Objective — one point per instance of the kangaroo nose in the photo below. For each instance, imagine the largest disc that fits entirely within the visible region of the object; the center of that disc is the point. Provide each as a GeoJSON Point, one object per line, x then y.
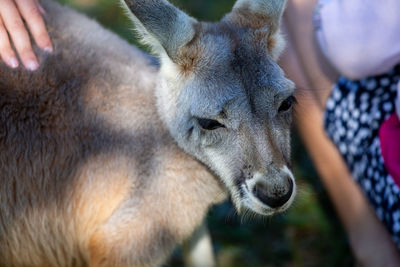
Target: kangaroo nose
{"type": "Point", "coordinates": [274, 196]}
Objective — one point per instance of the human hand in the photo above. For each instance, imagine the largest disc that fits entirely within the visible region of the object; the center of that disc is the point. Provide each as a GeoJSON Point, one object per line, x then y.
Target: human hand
{"type": "Point", "coordinates": [12, 15]}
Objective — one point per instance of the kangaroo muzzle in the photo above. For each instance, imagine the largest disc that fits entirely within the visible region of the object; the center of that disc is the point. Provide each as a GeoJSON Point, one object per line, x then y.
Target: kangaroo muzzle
{"type": "Point", "coordinates": [270, 192]}
{"type": "Point", "coordinates": [273, 195]}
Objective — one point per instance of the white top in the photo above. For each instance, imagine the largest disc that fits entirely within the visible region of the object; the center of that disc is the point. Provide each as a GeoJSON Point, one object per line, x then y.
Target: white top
{"type": "Point", "coordinates": [360, 37]}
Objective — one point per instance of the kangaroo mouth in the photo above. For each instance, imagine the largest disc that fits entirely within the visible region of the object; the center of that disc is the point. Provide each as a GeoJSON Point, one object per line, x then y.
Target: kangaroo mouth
{"type": "Point", "coordinates": [255, 196]}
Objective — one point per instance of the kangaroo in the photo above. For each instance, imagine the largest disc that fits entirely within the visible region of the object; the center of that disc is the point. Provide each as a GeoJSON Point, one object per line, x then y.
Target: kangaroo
{"type": "Point", "coordinates": [108, 158]}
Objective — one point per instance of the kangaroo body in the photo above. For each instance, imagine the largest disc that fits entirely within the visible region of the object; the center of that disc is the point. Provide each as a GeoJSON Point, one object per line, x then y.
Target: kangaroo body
{"type": "Point", "coordinates": [90, 172]}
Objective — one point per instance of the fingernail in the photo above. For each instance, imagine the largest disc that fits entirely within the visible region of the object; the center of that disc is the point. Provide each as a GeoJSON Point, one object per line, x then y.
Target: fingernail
{"type": "Point", "coordinates": [32, 65]}
{"type": "Point", "coordinates": [48, 49]}
{"type": "Point", "coordinates": [41, 9]}
{"type": "Point", "coordinates": [13, 62]}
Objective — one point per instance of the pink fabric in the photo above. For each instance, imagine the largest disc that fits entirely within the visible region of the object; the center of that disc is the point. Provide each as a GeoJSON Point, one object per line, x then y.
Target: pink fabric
{"type": "Point", "coordinates": [389, 137]}
{"type": "Point", "coordinates": [397, 102]}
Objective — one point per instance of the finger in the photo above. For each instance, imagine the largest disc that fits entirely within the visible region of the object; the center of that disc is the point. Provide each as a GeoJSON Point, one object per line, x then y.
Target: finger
{"type": "Point", "coordinates": [6, 52]}
{"type": "Point", "coordinates": [19, 35]}
{"type": "Point", "coordinates": [41, 9]}
{"type": "Point", "coordinates": [31, 14]}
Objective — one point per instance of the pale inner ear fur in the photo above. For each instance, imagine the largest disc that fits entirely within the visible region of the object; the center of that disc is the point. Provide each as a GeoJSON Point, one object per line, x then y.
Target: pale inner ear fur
{"type": "Point", "coordinates": [277, 44]}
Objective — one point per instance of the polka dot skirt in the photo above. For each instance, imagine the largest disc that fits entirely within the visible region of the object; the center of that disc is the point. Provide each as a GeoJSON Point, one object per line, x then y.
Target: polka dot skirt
{"type": "Point", "coordinates": [354, 112]}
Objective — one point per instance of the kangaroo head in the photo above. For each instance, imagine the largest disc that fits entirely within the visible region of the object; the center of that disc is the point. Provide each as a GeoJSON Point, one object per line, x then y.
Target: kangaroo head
{"type": "Point", "coordinates": [224, 98]}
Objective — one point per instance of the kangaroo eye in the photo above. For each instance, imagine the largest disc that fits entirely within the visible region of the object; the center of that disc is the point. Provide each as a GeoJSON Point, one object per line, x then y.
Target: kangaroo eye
{"type": "Point", "coordinates": [209, 124]}
{"type": "Point", "coordinates": [287, 104]}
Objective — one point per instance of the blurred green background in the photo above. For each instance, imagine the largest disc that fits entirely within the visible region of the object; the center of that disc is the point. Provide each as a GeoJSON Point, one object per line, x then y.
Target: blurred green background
{"type": "Point", "coordinates": [309, 234]}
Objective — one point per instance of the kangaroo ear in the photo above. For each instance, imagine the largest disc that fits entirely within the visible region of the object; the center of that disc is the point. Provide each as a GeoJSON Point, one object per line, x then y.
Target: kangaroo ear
{"type": "Point", "coordinates": [161, 25]}
{"type": "Point", "coordinates": [263, 15]}
{"type": "Point", "coordinates": [258, 14]}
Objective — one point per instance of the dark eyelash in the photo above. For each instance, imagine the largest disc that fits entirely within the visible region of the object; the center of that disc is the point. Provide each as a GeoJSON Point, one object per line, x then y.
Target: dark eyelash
{"type": "Point", "coordinates": [209, 124]}
{"type": "Point", "coordinates": [287, 103]}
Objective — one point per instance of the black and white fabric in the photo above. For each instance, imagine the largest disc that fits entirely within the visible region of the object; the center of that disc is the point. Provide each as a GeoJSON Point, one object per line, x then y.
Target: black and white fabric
{"type": "Point", "coordinates": [354, 112]}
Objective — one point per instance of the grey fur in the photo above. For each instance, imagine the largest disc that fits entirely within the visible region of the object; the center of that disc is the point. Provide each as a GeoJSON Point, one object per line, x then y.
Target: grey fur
{"type": "Point", "coordinates": [102, 158]}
